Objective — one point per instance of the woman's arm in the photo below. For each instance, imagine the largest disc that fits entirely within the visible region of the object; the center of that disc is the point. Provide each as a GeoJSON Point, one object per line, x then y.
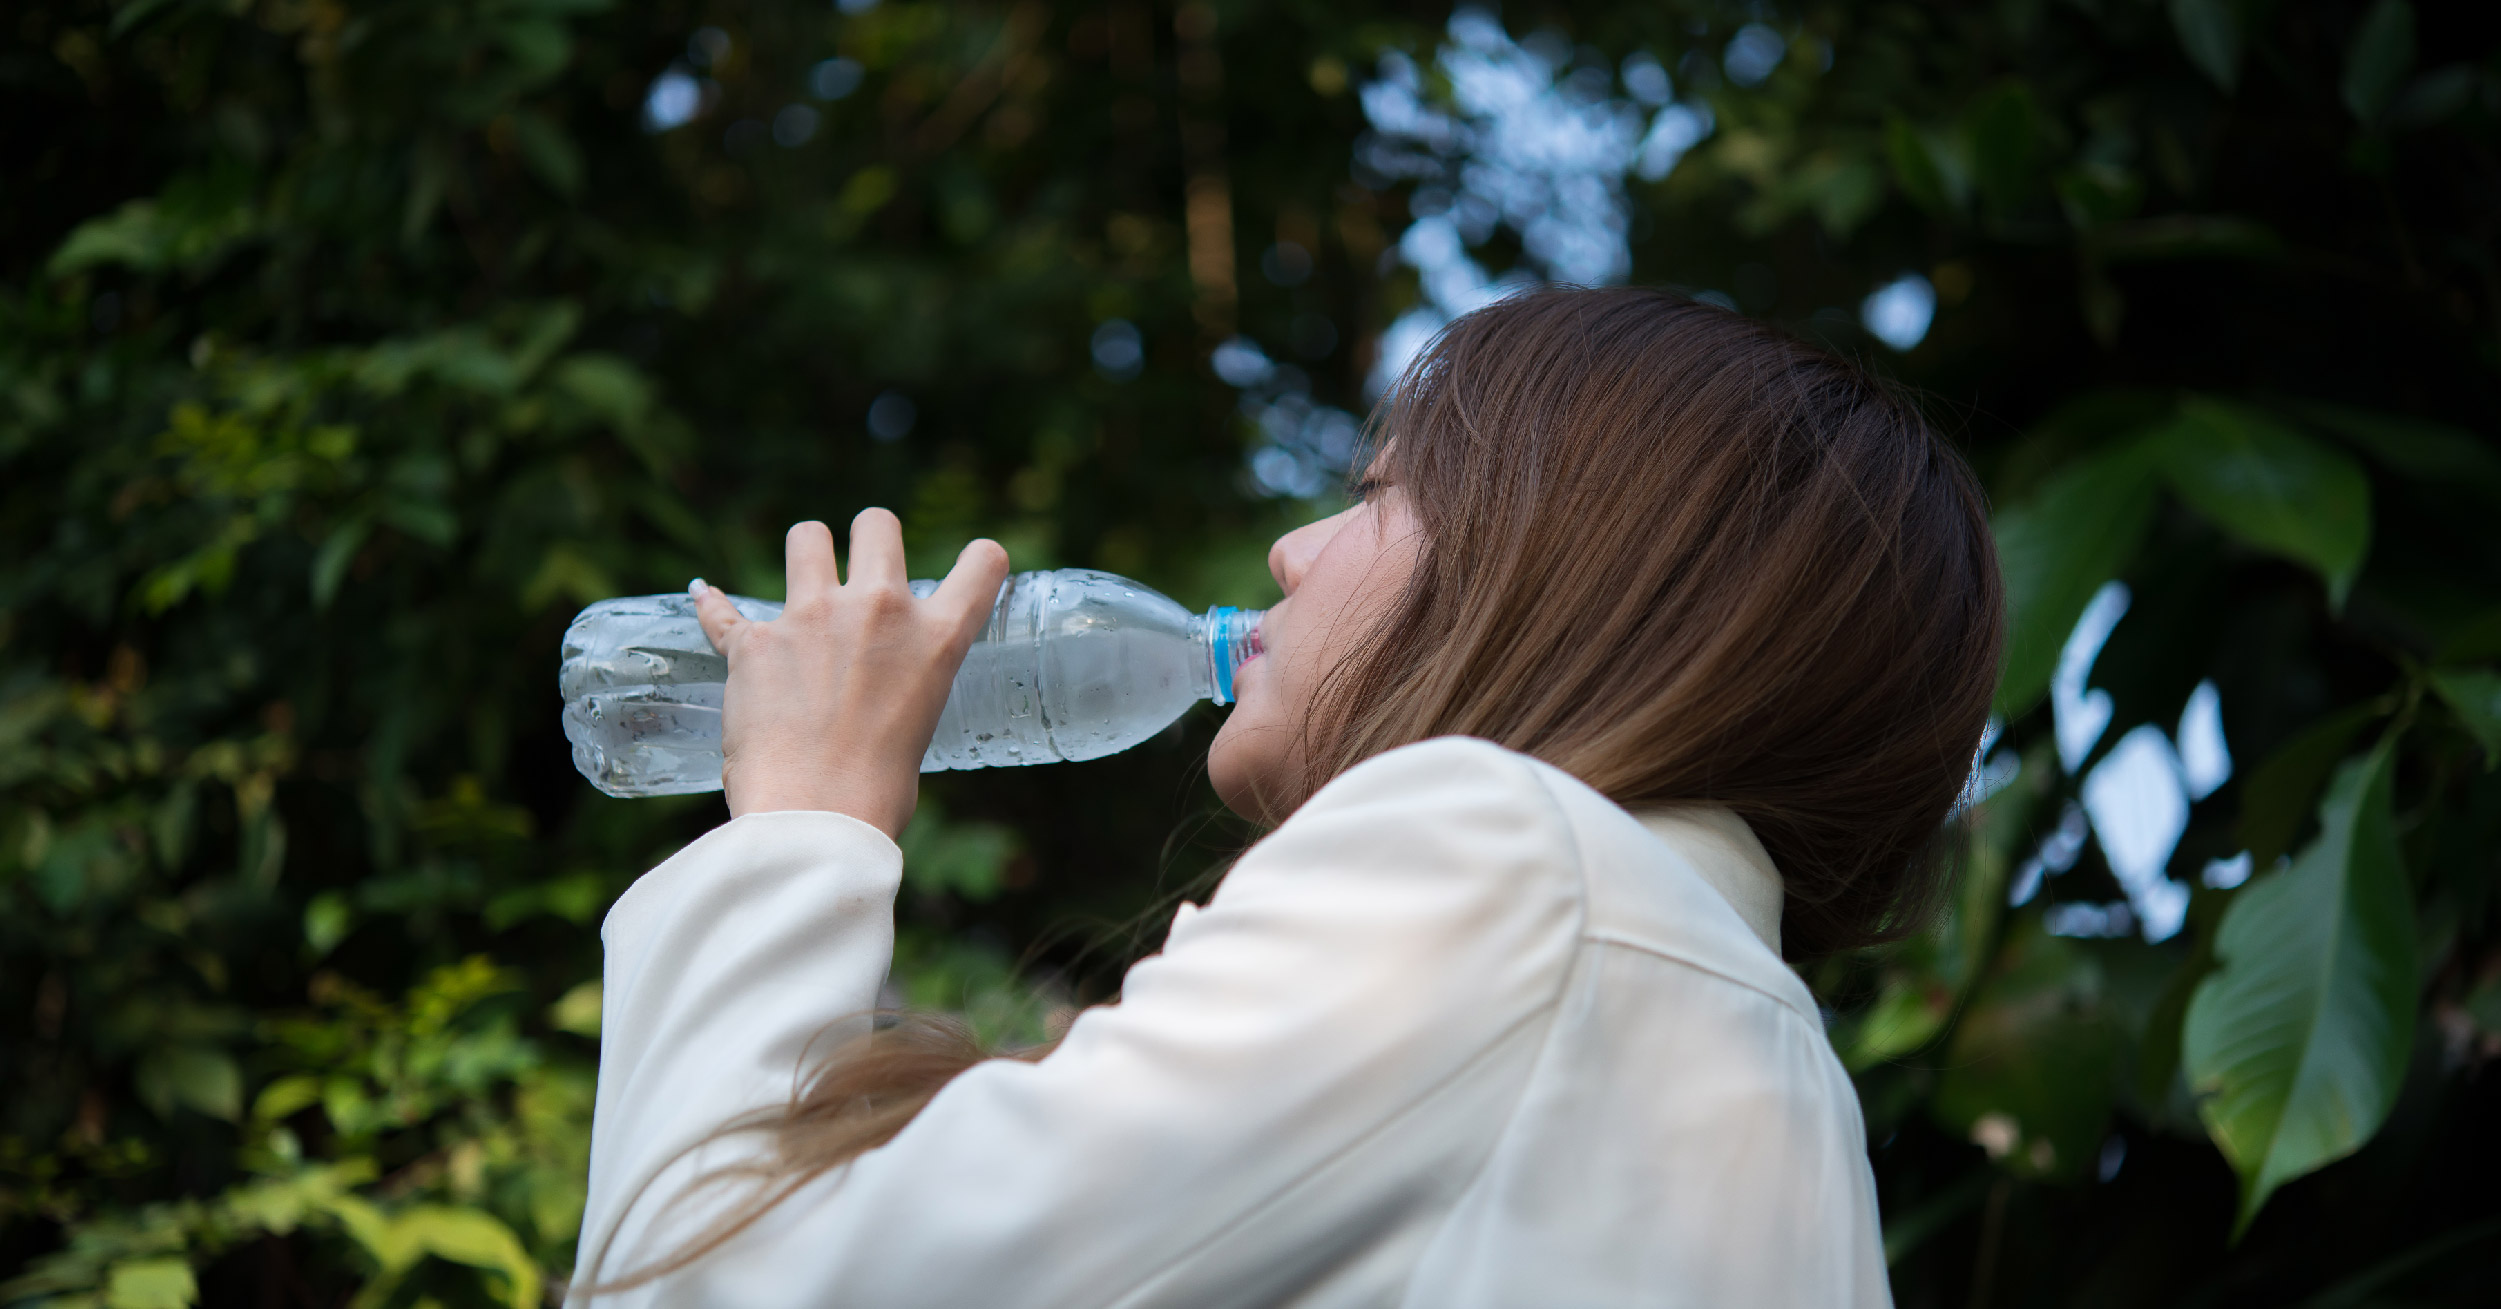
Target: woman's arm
{"type": "Point", "coordinates": [725, 966]}
{"type": "Point", "coordinates": [1293, 1091]}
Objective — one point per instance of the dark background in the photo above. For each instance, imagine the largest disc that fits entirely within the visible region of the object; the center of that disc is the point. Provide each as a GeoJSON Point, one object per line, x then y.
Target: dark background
{"type": "Point", "coordinates": [347, 348]}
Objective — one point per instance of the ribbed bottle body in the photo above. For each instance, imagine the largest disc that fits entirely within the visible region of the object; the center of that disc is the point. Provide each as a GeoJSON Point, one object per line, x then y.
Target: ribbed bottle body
{"type": "Point", "coordinates": [1073, 664]}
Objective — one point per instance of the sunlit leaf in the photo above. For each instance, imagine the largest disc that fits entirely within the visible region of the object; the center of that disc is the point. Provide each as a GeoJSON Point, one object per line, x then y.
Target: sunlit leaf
{"type": "Point", "coordinates": [476, 1238]}
{"type": "Point", "coordinates": [285, 1097]}
{"type": "Point", "coordinates": [2296, 1044]}
{"type": "Point", "coordinates": [1909, 1011]}
{"type": "Point", "coordinates": [2379, 56]}
{"type": "Point", "coordinates": [2056, 548]}
{"type": "Point", "coordinates": [327, 920]}
{"type": "Point", "coordinates": [2474, 695]}
{"type": "Point", "coordinates": [162, 1283]}
{"type": "Point", "coordinates": [577, 1011]}
{"type": "Point", "coordinates": [192, 1077]}
{"type": "Point", "coordinates": [2270, 486]}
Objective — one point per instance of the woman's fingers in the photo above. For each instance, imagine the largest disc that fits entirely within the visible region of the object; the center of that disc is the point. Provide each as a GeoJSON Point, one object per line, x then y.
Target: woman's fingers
{"type": "Point", "coordinates": [877, 549]}
{"type": "Point", "coordinates": [721, 619]}
{"type": "Point", "coordinates": [971, 590]}
{"type": "Point", "coordinates": [808, 562]}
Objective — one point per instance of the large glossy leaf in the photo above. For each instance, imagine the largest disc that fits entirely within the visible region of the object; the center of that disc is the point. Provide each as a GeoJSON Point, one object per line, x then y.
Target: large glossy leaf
{"type": "Point", "coordinates": [2426, 452]}
{"type": "Point", "coordinates": [2296, 1045]}
{"type": "Point", "coordinates": [2276, 797]}
{"type": "Point", "coordinates": [2270, 486]}
{"type": "Point", "coordinates": [2056, 549]}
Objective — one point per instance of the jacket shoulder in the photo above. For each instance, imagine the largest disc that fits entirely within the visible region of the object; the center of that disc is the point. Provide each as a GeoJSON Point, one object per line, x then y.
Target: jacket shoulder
{"type": "Point", "coordinates": [1644, 889]}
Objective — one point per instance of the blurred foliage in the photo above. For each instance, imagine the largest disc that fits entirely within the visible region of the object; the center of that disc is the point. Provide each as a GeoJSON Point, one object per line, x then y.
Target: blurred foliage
{"type": "Point", "coordinates": [346, 346]}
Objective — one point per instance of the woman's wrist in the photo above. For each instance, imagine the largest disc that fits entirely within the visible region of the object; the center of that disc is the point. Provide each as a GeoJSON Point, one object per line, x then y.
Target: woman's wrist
{"type": "Point", "coordinates": [876, 802]}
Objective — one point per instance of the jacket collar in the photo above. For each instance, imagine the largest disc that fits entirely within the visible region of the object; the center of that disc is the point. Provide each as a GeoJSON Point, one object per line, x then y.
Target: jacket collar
{"type": "Point", "coordinates": [1727, 855]}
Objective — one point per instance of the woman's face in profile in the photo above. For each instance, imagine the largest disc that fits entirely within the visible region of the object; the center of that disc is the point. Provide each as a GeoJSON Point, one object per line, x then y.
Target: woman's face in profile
{"type": "Point", "coordinates": [1341, 575]}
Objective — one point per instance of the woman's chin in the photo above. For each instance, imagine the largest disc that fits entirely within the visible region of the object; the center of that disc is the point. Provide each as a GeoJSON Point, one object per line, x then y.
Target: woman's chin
{"type": "Point", "coordinates": [1246, 766]}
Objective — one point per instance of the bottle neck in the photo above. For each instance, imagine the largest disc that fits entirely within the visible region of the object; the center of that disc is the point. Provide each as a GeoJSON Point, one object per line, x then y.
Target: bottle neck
{"type": "Point", "coordinates": [1230, 638]}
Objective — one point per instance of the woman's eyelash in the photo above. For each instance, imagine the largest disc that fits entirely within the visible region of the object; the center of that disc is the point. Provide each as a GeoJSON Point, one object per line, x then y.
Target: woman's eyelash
{"type": "Point", "coordinates": [1366, 487]}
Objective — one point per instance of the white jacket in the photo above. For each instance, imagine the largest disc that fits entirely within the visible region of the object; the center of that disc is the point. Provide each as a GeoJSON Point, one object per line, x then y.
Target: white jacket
{"type": "Point", "coordinates": [1461, 1032]}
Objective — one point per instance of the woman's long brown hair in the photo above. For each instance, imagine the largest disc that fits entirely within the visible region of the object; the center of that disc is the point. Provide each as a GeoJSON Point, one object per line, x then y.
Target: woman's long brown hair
{"type": "Point", "coordinates": [1674, 552]}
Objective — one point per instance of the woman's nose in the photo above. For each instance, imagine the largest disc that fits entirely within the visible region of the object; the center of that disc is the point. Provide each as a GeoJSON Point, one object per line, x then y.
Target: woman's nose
{"type": "Point", "coordinates": [1293, 552]}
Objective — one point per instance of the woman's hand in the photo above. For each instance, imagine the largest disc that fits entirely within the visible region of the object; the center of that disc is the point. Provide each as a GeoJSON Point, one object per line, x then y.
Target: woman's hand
{"type": "Point", "coordinates": [832, 705]}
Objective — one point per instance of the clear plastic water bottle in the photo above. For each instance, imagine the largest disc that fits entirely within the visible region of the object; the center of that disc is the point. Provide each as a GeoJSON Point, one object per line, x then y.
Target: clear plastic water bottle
{"type": "Point", "coordinates": [1074, 664]}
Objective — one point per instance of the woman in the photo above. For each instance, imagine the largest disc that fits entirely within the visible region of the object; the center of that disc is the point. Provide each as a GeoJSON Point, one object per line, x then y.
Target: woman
{"type": "Point", "coordinates": [1655, 646]}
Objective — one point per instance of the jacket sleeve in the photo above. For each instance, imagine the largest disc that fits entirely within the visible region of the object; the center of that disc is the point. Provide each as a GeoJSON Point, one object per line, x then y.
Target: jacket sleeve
{"type": "Point", "coordinates": [1322, 1054]}
{"type": "Point", "coordinates": [724, 966]}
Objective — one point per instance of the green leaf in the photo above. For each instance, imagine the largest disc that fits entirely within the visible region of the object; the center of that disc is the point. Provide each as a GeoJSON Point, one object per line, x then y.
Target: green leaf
{"type": "Point", "coordinates": [1908, 1013]}
{"type": "Point", "coordinates": [2004, 129]}
{"type": "Point", "coordinates": [337, 551]}
{"type": "Point", "coordinates": [2434, 96]}
{"type": "Point", "coordinates": [478, 1239]}
{"type": "Point", "coordinates": [551, 155]}
{"type": "Point", "coordinates": [2095, 195]}
{"type": "Point", "coordinates": [193, 1077]}
{"type": "Point", "coordinates": [2270, 486]}
{"type": "Point", "coordinates": [1906, 1233]}
{"type": "Point", "coordinates": [2184, 236]}
{"type": "Point", "coordinates": [2210, 36]}
{"type": "Point", "coordinates": [2433, 453]}
{"type": "Point", "coordinates": [577, 1011]}
{"type": "Point", "coordinates": [285, 1097]}
{"type": "Point", "coordinates": [607, 386]}
{"type": "Point", "coordinates": [430, 521]}
{"type": "Point", "coordinates": [130, 13]}
{"type": "Point", "coordinates": [2056, 549]}
{"type": "Point", "coordinates": [566, 572]}
{"type": "Point", "coordinates": [2474, 695]}
{"type": "Point", "coordinates": [2158, 1045]}
{"type": "Point", "coordinates": [2029, 1072]}
{"type": "Point", "coordinates": [2276, 796]}
{"type": "Point", "coordinates": [159, 1283]}
{"type": "Point", "coordinates": [540, 48]}
{"type": "Point", "coordinates": [327, 921]}
{"type": "Point", "coordinates": [968, 859]}
{"type": "Point", "coordinates": [195, 222]}
{"type": "Point", "coordinates": [1914, 166]}
{"type": "Point", "coordinates": [2296, 1045]}
{"type": "Point", "coordinates": [2377, 62]}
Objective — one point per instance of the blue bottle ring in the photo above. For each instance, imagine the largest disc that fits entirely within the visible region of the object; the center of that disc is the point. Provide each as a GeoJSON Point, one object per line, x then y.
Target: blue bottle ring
{"type": "Point", "coordinates": [1220, 649]}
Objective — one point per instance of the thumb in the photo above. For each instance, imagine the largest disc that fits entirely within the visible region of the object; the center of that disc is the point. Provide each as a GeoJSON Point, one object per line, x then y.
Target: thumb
{"type": "Point", "coordinates": [721, 620]}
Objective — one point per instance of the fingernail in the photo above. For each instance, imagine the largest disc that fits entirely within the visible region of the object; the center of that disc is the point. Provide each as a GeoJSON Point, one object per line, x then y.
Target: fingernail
{"type": "Point", "coordinates": [695, 587]}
